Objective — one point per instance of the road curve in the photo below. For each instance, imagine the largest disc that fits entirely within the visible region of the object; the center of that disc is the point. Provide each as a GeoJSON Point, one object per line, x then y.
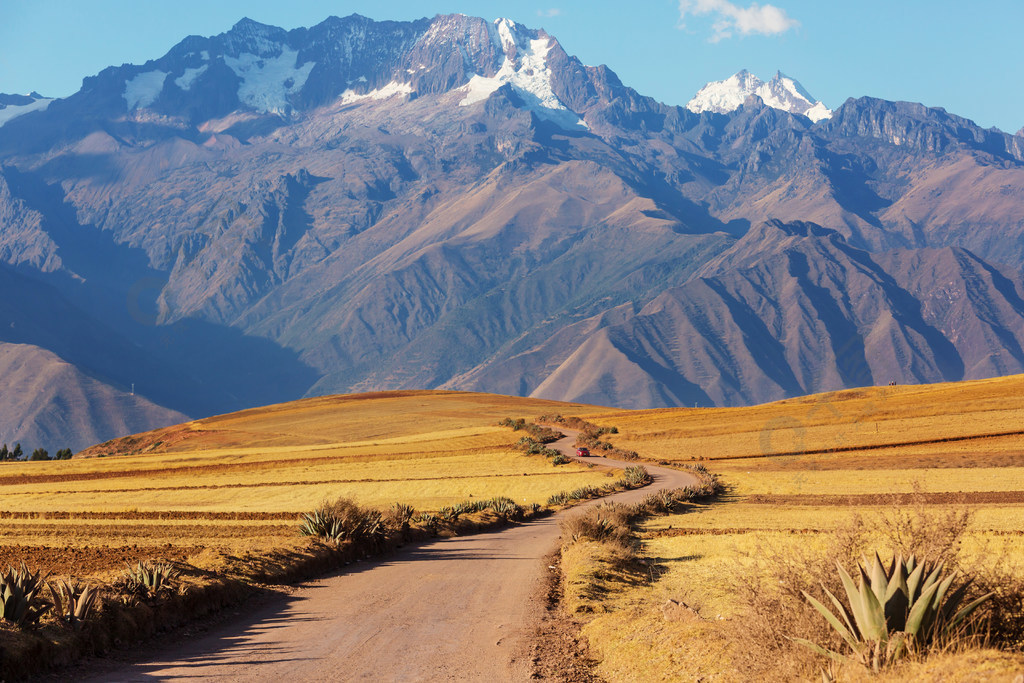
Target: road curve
{"type": "Point", "coordinates": [451, 609]}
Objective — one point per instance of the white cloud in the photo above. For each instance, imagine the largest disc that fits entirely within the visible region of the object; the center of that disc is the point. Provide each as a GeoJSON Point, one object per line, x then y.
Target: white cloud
{"type": "Point", "coordinates": [553, 12]}
{"type": "Point", "coordinates": [730, 18]}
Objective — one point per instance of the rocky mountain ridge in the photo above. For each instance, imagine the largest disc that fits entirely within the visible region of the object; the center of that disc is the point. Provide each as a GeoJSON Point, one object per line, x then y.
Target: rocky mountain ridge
{"type": "Point", "coordinates": [452, 202]}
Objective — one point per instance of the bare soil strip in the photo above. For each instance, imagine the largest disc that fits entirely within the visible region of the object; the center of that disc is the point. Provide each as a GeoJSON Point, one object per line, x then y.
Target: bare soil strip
{"type": "Point", "coordinates": [460, 609]}
{"type": "Point", "coordinates": [303, 482]}
{"type": "Point", "coordinates": [873, 447]}
{"type": "Point", "coordinates": [156, 515]}
{"type": "Point", "coordinates": [875, 499]}
{"type": "Point", "coordinates": [197, 470]}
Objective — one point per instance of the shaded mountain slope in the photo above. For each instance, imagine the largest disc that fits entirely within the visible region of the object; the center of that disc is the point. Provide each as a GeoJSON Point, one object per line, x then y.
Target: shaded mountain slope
{"type": "Point", "coordinates": [451, 202]}
{"type": "Point", "coordinates": [811, 314]}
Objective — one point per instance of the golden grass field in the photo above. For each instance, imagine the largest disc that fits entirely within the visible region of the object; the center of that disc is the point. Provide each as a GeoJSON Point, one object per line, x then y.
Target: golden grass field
{"type": "Point", "coordinates": [798, 470]}
{"type": "Point", "coordinates": [238, 482]}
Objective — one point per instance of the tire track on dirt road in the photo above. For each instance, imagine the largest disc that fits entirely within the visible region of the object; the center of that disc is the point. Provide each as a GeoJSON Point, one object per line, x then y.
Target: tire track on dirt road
{"type": "Point", "coordinates": [460, 609]}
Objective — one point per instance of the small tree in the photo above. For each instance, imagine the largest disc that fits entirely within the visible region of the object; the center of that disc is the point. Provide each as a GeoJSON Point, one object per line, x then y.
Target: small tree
{"type": "Point", "coordinates": [4, 453]}
{"type": "Point", "coordinates": [16, 453]}
{"type": "Point", "coordinates": [40, 454]}
{"type": "Point", "coordinates": [63, 454]}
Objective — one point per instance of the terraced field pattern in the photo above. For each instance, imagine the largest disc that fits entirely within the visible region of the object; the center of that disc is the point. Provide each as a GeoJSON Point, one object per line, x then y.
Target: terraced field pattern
{"type": "Point", "coordinates": [239, 482]}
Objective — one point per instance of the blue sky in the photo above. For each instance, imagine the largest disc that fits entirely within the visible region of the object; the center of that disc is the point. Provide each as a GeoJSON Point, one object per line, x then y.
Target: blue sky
{"type": "Point", "coordinates": [964, 57]}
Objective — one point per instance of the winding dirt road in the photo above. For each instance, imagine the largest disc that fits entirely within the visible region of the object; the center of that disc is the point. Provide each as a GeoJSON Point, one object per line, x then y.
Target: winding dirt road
{"type": "Point", "coordinates": [452, 609]}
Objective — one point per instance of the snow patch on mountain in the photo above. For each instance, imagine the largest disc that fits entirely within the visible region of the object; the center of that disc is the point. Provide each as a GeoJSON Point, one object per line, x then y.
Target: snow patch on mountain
{"type": "Point", "coordinates": [143, 90]}
{"type": "Point", "coordinates": [525, 68]}
{"type": "Point", "coordinates": [781, 92]}
{"type": "Point", "coordinates": [390, 90]}
{"type": "Point", "coordinates": [12, 111]}
{"type": "Point", "coordinates": [186, 80]}
{"type": "Point", "coordinates": [267, 81]}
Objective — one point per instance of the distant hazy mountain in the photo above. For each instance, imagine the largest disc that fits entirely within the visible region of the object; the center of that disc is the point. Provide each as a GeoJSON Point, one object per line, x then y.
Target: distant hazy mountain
{"type": "Point", "coordinates": [13, 106]}
{"type": "Point", "coordinates": [452, 202]}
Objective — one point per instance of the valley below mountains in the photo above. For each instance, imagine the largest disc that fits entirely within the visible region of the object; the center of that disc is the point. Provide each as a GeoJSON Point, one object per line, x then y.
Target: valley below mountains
{"type": "Point", "coordinates": [456, 203]}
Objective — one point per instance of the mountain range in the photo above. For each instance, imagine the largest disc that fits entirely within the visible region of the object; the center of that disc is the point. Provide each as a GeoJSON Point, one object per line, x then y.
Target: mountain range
{"type": "Point", "coordinates": [456, 203]}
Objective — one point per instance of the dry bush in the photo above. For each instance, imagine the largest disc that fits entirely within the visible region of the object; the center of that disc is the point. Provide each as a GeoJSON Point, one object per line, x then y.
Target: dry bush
{"type": "Point", "coordinates": [916, 528]}
{"type": "Point", "coordinates": [1003, 576]}
{"type": "Point", "coordinates": [598, 556]}
{"type": "Point", "coordinates": [608, 523]}
{"type": "Point", "coordinates": [774, 610]}
{"type": "Point", "coordinates": [344, 520]}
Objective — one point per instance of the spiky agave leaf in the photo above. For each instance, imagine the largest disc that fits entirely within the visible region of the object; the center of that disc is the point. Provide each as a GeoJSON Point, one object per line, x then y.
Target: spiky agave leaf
{"type": "Point", "coordinates": [20, 599]}
{"type": "Point", "coordinates": [916, 598]}
{"type": "Point", "coordinates": [846, 632]}
{"type": "Point", "coordinates": [73, 601]}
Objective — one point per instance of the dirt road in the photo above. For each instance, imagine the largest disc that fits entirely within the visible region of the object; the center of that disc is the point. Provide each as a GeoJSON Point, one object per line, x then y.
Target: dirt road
{"type": "Point", "coordinates": [453, 609]}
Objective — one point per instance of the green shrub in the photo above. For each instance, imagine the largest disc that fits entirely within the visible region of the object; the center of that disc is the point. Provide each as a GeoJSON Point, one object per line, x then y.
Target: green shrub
{"type": "Point", "coordinates": [584, 493]}
{"type": "Point", "coordinates": [516, 424]}
{"type": "Point", "coordinates": [662, 502]}
{"type": "Point", "coordinates": [608, 523]}
{"type": "Point", "coordinates": [559, 459]}
{"type": "Point", "coordinates": [21, 601]}
{"type": "Point", "coordinates": [400, 515]}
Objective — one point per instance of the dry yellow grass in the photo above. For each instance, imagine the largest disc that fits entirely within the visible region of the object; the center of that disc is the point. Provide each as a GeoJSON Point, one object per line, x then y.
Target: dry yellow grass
{"type": "Point", "coordinates": [857, 418]}
{"type": "Point", "coordinates": [797, 470]}
{"type": "Point", "coordinates": [425, 449]}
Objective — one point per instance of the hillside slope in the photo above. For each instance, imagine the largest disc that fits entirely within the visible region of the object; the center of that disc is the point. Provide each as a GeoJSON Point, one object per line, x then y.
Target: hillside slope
{"type": "Point", "coordinates": [267, 214]}
{"type": "Point", "coordinates": [49, 403]}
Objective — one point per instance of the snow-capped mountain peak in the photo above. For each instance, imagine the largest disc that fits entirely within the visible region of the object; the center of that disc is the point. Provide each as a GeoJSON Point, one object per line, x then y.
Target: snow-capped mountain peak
{"type": "Point", "coordinates": [13, 106]}
{"type": "Point", "coordinates": [525, 68]}
{"type": "Point", "coordinates": [781, 92]}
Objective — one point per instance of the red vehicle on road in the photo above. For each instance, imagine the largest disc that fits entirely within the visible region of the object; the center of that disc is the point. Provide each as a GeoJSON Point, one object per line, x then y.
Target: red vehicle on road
{"type": "Point", "coordinates": [582, 452]}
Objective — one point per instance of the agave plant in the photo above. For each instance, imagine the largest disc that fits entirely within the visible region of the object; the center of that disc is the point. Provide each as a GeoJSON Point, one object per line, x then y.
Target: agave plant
{"type": "Point", "coordinates": [151, 577]}
{"type": "Point", "coordinates": [401, 514]}
{"type": "Point", "coordinates": [429, 522]}
{"type": "Point", "coordinates": [894, 611]}
{"type": "Point", "coordinates": [344, 520]}
{"type": "Point", "coordinates": [560, 498]}
{"type": "Point", "coordinates": [73, 601]}
{"type": "Point", "coordinates": [636, 476]}
{"type": "Point", "coordinates": [449, 513]}
{"type": "Point", "coordinates": [321, 523]}
{"type": "Point", "coordinates": [506, 508]}
{"type": "Point", "coordinates": [21, 601]}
